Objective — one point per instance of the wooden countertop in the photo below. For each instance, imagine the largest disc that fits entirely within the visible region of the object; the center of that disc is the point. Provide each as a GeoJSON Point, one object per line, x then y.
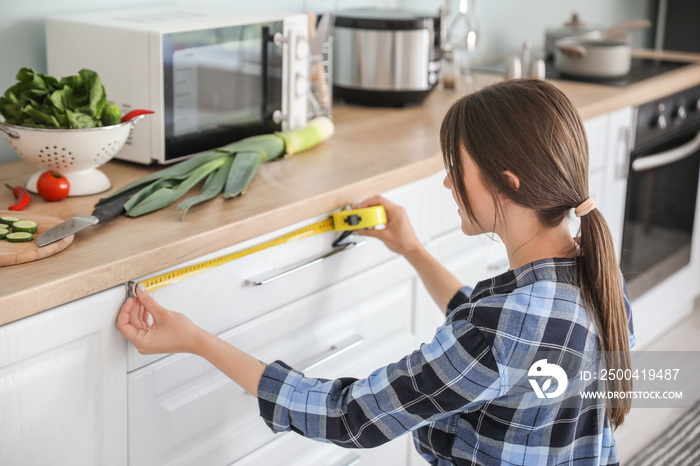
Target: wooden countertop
{"type": "Point", "coordinates": [373, 150]}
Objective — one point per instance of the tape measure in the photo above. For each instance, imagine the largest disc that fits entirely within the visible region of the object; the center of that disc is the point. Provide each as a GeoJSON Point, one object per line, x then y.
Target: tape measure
{"type": "Point", "coordinates": [345, 220]}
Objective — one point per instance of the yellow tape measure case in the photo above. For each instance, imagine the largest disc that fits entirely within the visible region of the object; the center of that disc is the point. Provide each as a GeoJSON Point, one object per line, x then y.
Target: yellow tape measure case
{"type": "Point", "coordinates": [358, 218]}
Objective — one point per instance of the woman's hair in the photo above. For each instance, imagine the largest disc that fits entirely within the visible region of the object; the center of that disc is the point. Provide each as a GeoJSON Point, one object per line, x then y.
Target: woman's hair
{"type": "Point", "coordinates": [529, 127]}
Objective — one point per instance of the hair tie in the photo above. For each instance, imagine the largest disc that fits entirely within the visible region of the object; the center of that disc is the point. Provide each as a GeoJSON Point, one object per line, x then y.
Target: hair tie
{"type": "Point", "coordinates": [585, 207]}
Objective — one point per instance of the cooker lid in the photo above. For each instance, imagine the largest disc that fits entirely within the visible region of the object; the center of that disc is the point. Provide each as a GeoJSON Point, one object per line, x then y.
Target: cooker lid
{"type": "Point", "coordinates": [395, 19]}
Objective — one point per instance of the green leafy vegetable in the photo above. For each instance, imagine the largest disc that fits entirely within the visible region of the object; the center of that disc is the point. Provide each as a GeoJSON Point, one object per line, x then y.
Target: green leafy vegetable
{"type": "Point", "coordinates": [42, 101]}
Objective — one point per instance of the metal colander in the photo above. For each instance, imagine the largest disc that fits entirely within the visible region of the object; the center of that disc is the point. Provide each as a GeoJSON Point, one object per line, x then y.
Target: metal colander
{"type": "Point", "coordinates": [75, 153]}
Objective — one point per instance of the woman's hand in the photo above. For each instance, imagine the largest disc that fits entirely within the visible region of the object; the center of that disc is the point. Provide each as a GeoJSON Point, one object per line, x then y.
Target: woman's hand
{"type": "Point", "coordinates": [398, 234]}
{"type": "Point", "coordinates": [153, 329]}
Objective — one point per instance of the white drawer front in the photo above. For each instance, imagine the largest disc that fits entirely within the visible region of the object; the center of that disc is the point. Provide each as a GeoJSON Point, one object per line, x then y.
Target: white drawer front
{"type": "Point", "coordinates": [183, 411]}
{"type": "Point", "coordinates": [291, 449]}
{"type": "Point", "coordinates": [222, 297]}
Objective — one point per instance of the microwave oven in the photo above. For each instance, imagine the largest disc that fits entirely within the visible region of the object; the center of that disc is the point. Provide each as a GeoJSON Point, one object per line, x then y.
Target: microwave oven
{"type": "Point", "coordinates": [212, 74]}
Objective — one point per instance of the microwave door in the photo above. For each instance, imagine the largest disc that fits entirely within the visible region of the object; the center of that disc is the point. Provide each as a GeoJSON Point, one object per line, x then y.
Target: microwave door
{"type": "Point", "coordinates": [224, 86]}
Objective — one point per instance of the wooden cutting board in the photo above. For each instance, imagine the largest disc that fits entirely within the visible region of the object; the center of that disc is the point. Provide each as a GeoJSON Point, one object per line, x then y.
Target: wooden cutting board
{"type": "Point", "coordinates": [18, 253]}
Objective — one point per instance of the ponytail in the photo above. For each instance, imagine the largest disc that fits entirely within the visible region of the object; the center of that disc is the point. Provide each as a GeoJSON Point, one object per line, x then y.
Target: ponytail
{"type": "Point", "coordinates": [601, 287]}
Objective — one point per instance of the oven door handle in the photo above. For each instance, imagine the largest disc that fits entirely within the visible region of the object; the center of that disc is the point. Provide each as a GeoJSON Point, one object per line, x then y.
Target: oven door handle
{"type": "Point", "coordinates": [667, 157]}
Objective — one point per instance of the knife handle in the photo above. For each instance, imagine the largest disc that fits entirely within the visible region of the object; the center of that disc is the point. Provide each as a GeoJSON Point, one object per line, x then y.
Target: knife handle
{"type": "Point", "coordinates": [114, 207]}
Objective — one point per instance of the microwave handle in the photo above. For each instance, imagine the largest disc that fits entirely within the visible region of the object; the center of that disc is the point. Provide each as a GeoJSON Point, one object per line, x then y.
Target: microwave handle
{"type": "Point", "coordinates": [667, 157]}
{"type": "Point", "coordinates": [278, 39]}
{"type": "Point", "coordinates": [266, 40]}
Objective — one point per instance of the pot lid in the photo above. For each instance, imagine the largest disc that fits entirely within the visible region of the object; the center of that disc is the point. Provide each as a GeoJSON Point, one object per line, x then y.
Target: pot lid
{"type": "Point", "coordinates": [394, 19]}
{"type": "Point", "coordinates": [573, 26]}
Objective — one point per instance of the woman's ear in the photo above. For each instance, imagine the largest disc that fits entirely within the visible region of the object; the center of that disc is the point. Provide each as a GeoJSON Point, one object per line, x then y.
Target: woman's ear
{"type": "Point", "coordinates": [512, 179]}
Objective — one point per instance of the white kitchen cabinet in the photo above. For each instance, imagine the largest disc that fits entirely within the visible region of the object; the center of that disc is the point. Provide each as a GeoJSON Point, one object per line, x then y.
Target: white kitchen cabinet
{"type": "Point", "coordinates": [63, 385]}
{"type": "Point", "coordinates": [597, 134]}
{"type": "Point", "coordinates": [183, 411]}
{"type": "Point", "coordinates": [223, 297]}
{"type": "Point", "coordinates": [617, 161]}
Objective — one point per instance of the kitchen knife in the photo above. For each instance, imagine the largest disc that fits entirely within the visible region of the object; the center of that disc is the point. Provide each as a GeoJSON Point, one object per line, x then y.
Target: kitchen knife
{"type": "Point", "coordinates": [321, 99]}
{"type": "Point", "coordinates": [102, 213]}
{"type": "Point", "coordinates": [321, 35]}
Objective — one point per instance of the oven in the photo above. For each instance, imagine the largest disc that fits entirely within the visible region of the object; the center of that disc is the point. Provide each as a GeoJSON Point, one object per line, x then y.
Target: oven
{"type": "Point", "coordinates": [662, 191]}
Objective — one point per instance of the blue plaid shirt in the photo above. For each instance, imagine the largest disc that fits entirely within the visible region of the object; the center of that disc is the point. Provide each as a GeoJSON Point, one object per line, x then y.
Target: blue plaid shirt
{"type": "Point", "coordinates": [462, 395]}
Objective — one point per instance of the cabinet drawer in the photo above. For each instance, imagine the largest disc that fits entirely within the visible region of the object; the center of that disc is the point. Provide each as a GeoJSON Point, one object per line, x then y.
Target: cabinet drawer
{"type": "Point", "coordinates": [291, 449]}
{"type": "Point", "coordinates": [182, 410]}
{"type": "Point", "coordinates": [222, 297]}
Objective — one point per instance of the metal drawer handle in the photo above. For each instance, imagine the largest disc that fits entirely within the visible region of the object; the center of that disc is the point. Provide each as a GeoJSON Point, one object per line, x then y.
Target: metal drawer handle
{"type": "Point", "coordinates": [336, 350]}
{"type": "Point", "coordinates": [667, 157]}
{"type": "Point", "coordinates": [343, 346]}
{"type": "Point", "coordinates": [267, 277]}
{"type": "Point", "coordinates": [350, 460]}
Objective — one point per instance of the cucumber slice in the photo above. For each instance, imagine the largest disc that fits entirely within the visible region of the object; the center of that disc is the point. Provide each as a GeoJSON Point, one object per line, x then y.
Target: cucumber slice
{"type": "Point", "coordinates": [4, 233]}
{"type": "Point", "coordinates": [19, 237]}
{"type": "Point", "coordinates": [27, 226]}
{"type": "Point", "coordinates": [9, 220]}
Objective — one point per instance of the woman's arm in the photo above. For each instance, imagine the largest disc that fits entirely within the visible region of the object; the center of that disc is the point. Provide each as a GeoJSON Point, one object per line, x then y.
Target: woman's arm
{"type": "Point", "coordinates": [153, 329]}
{"type": "Point", "coordinates": [398, 235]}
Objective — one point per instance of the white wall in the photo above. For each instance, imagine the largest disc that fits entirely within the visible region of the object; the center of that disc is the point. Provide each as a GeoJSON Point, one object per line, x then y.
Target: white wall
{"type": "Point", "coordinates": [506, 24]}
{"type": "Point", "coordinates": [22, 29]}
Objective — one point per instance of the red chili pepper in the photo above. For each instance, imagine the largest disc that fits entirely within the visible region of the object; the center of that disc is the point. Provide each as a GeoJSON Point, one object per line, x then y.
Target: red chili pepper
{"type": "Point", "coordinates": [135, 113]}
{"type": "Point", "coordinates": [21, 195]}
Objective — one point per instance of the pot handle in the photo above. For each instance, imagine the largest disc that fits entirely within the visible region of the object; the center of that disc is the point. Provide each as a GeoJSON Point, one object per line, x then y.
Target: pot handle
{"type": "Point", "coordinates": [573, 51]}
{"type": "Point", "coordinates": [627, 26]}
{"type": "Point", "coordinates": [11, 133]}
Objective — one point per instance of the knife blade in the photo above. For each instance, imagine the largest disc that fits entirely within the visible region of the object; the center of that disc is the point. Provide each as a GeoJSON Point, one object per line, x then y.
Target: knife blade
{"type": "Point", "coordinates": [103, 212]}
{"type": "Point", "coordinates": [321, 36]}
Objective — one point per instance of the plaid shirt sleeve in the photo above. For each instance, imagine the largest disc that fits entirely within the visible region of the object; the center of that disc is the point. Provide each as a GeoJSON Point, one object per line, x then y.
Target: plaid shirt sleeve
{"type": "Point", "coordinates": [462, 296]}
{"type": "Point", "coordinates": [456, 371]}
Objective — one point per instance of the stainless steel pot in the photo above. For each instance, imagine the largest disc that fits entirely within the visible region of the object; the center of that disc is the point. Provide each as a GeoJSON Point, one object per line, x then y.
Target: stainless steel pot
{"type": "Point", "coordinates": [385, 57]}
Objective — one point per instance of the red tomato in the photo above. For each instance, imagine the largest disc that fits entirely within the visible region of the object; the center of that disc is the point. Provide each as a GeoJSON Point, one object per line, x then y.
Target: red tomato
{"type": "Point", "coordinates": [52, 186]}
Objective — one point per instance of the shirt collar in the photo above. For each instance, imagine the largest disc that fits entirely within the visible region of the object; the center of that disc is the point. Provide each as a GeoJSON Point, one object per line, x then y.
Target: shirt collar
{"type": "Point", "coordinates": [555, 269]}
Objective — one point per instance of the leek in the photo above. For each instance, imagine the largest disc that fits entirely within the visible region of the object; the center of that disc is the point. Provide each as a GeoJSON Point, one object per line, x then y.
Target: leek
{"type": "Point", "coordinates": [212, 187]}
{"type": "Point", "coordinates": [228, 169]}
{"type": "Point", "coordinates": [166, 195]}
{"type": "Point", "coordinates": [245, 166]}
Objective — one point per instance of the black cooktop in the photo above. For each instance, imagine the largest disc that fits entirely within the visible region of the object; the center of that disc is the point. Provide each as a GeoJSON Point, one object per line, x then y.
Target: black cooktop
{"type": "Point", "coordinates": [641, 69]}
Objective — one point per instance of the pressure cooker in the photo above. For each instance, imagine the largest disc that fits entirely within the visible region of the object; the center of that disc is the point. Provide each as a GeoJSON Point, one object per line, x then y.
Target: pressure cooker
{"type": "Point", "coordinates": [385, 57]}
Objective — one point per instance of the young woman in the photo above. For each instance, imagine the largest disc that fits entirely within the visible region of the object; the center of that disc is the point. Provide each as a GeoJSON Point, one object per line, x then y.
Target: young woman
{"type": "Point", "coordinates": [517, 161]}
